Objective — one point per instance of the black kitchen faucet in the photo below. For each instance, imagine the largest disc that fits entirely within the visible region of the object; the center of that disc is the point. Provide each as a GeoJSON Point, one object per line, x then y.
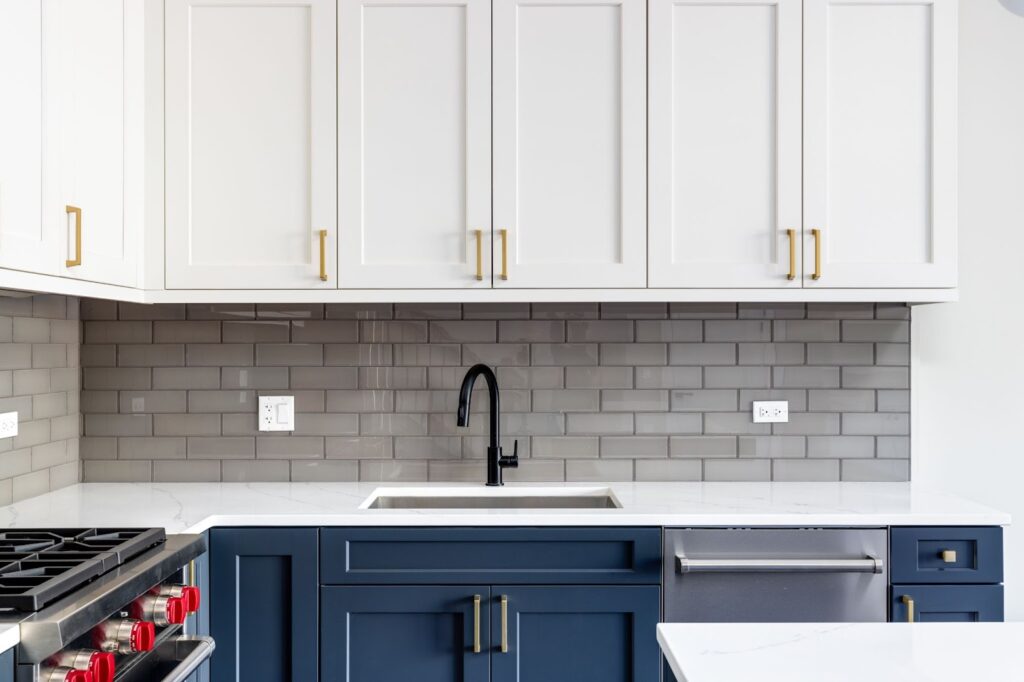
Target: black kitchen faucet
{"type": "Point", "coordinates": [495, 460]}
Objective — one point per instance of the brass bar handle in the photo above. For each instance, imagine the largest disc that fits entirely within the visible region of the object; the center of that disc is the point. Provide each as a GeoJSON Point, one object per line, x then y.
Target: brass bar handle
{"type": "Point", "coordinates": [817, 253]}
{"type": "Point", "coordinates": [323, 255]}
{"type": "Point", "coordinates": [909, 602]}
{"type": "Point", "coordinates": [78, 236]}
{"type": "Point", "coordinates": [479, 255]}
{"type": "Point", "coordinates": [504, 254]}
{"type": "Point", "coordinates": [476, 623]}
{"type": "Point", "coordinates": [504, 624]}
{"type": "Point", "coordinates": [792, 255]}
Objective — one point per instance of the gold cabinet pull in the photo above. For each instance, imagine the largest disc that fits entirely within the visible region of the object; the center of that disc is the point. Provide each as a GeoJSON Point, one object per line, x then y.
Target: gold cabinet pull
{"type": "Point", "coordinates": [949, 556]}
{"type": "Point", "coordinates": [78, 236]}
{"type": "Point", "coordinates": [504, 254]}
{"type": "Point", "coordinates": [909, 602]}
{"type": "Point", "coordinates": [323, 255]}
{"type": "Point", "coordinates": [504, 624]}
{"type": "Point", "coordinates": [817, 253]}
{"type": "Point", "coordinates": [479, 255]}
{"type": "Point", "coordinates": [792, 255]}
{"type": "Point", "coordinates": [476, 623]}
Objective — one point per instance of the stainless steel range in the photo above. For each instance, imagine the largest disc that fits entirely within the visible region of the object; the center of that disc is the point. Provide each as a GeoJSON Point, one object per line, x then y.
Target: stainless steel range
{"type": "Point", "coordinates": [98, 605]}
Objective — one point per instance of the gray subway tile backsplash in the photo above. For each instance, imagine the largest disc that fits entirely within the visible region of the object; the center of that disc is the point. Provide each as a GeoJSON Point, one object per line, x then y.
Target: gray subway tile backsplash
{"type": "Point", "coordinates": [593, 392]}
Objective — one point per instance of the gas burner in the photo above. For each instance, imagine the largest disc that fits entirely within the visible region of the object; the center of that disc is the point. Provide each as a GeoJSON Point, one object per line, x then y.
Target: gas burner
{"type": "Point", "coordinates": [38, 566]}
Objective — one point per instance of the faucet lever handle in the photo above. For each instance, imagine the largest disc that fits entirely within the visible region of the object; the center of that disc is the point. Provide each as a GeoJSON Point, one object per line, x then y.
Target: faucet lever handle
{"type": "Point", "coordinates": [511, 461]}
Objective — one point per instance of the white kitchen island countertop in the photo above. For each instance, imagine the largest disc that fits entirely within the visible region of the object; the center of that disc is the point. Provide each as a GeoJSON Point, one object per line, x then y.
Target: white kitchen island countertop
{"type": "Point", "coordinates": [10, 635]}
{"type": "Point", "coordinates": [843, 652]}
{"type": "Point", "coordinates": [195, 507]}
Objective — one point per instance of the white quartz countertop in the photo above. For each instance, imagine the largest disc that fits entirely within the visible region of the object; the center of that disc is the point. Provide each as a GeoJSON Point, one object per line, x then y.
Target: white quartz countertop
{"type": "Point", "coordinates": [849, 652]}
{"type": "Point", "coordinates": [10, 635]}
{"type": "Point", "coordinates": [195, 507]}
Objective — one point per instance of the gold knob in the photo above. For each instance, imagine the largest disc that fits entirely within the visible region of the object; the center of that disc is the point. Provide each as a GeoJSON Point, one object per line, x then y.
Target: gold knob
{"type": "Point", "coordinates": [78, 236]}
{"type": "Point", "coordinates": [476, 623]}
{"type": "Point", "coordinates": [792, 255]}
{"type": "Point", "coordinates": [909, 601]}
{"type": "Point", "coordinates": [504, 254]}
{"type": "Point", "coordinates": [504, 624]}
{"type": "Point", "coordinates": [323, 255]}
{"type": "Point", "coordinates": [817, 253]}
{"type": "Point", "coordinates": [949, 556]}
{"type": "Point", "coordinates": [479, 255]}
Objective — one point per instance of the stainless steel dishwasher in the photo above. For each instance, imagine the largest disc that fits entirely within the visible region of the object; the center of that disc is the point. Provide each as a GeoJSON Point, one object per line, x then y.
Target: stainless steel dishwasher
{"type": "Point", "coordinates": [776, 575]}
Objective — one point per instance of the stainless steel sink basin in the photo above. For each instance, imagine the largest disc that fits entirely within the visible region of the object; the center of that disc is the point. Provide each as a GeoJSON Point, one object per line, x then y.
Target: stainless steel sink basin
{"type": "Point", "coordinates": [505, 498]}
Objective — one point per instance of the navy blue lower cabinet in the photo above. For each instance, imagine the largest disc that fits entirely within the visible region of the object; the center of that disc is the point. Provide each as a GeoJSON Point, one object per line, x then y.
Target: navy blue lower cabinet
{"type": "Point", "coordinates": [263, 604]}
{"type": "Point", "coordinates": [557, 632]}
{"type": "Point", "coordinates": [947, 603]}
{"type": "Point", "coordinates": [7, 666]}
{"type": "Point", "coordinates": [398, 633]}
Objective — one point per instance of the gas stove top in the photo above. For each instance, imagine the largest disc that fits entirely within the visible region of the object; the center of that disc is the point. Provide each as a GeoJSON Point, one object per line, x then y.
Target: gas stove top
{"type": "Point", "coordinates": [38, 566]}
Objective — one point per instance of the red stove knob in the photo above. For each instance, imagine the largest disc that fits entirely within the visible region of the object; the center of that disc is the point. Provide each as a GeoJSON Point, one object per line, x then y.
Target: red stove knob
{"type": "Point", "coordinates": [189, 594]}
{"type": "Point", "coordinates": [162, 610]}
{"type": "Point", "coordinates": [100, 664]}
{"type": "Point", "coordinates": [125, 636]}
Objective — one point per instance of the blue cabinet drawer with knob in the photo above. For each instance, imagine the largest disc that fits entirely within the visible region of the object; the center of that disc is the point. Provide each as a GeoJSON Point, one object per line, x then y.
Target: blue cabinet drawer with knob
{"type": "Point", "coordinates": [946, 603]}
{"type": "Point", "coordinates": [954, 555]}
{"type": "Point", "coordinates": [459, 556]}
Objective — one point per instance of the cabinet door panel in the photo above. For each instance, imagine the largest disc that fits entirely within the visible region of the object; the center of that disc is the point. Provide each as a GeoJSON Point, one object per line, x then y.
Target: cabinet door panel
{"type": "Point", "coordinates": [599, 634]}
{"type": "Point", "coordinates": [93, 85]}
{"type": "Point", "coordinates": [263, 611]}
{"type": "Point", "coordinates": [251, 143]}
{"type": "Point", "coordinates": [24, 242]}
{"type": "Point", "coordinates": [400, 633]}
{"type": "Point", "coordinates": [880, 141]}
{"type": "Point", "coordinates": [949, 603]}
{"type": "Point", "coordinates": [414, 136]}
{"type": "Point", "coordinates": [725, 143]}
{"type": "Point", "coordinates": [569, 142]}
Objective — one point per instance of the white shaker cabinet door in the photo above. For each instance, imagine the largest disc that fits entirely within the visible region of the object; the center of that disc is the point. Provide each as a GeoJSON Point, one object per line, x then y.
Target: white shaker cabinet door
{"type": "Point", "coordinates": [880, 143]}
{"type": "Point", "coordinates": [414, 143]}
{"type": "Point", "coordinates": [725, 143]}
{"type": "Point", "coordinates": [250, 144]}
{"type": "Point", "coordinates": [94, 102]}
{"type": "Point", "coordinates": [25, 244]}
{"type": "Point", "coordinates": [570, 143]}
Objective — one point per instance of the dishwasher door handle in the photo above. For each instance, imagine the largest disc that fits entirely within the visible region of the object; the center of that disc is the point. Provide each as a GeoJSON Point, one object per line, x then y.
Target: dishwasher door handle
{"type": "Point", "coordinates": [868, 564]}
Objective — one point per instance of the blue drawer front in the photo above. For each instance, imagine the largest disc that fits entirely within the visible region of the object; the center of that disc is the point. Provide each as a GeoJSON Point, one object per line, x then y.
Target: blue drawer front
{"type": "Point", "coordinates": [490, 555]}
{"type": "Point", "coordinates": [917, 555]}
{"type": "Point", "coordinates": [948, 603]}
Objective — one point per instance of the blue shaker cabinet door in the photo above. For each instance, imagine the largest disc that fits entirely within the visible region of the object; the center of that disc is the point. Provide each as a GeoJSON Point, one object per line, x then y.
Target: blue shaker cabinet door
{"type": "Point", "coordinates": [263, 604]}
{"type": "Point", "coordinates": [593, 633]}
{"type": "Point", "coordinates": [948, 603]}
{"type": "Point", "coordinates": [402, 633]}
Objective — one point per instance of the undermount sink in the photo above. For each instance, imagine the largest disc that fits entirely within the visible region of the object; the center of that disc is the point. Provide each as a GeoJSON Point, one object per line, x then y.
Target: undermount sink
{"type": "Point", "coordinates": [500, 498]}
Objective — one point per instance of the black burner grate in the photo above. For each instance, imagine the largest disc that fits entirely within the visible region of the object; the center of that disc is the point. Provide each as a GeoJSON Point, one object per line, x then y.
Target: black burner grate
{"type": "Point", "coordinates": [39, 566]}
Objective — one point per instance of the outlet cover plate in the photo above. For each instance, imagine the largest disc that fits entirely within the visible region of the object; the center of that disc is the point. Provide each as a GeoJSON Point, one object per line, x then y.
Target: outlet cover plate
{"type": "Point", "coordinates": [8, 425]}
{"type": "Point", "coordinates": [277, 413]}
{"type": "Point", "coordinates": [771, 411]}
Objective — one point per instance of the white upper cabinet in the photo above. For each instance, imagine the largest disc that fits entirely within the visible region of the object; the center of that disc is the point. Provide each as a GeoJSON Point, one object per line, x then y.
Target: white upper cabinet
{"type": "Point", "coordinates": [569, 143]}
{"type": "Point", "coordinates": [94, 102]}
{"type": "Point", "coordinates": [414, 139]}
{"type": "Point", "coordinates": [250, 144]}
{"type": "Point", "coordinates": [24, 243]}
{"type": "Point", "coordinates": [879, 143]}
{"type": "Point", "coordinates": [725, 143]}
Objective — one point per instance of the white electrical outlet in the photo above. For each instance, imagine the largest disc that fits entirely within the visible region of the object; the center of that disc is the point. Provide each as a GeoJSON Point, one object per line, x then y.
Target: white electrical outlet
{"type": "Point", "coordinates": [8, 425]}
{"type": "Point", "coordinates": [771, 411]}
{"type": "Point", "coordinates": [277, 413]}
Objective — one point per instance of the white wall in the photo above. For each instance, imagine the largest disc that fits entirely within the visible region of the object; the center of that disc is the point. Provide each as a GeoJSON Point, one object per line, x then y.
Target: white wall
{"type": "Point", "coordinates": [969, 356]}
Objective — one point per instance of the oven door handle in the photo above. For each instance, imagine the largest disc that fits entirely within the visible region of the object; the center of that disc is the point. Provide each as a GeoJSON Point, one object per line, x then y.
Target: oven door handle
{"type": "Point", "coordinates": [868, 564]}
{"type": "Point", "coordinates": [203, 649]}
